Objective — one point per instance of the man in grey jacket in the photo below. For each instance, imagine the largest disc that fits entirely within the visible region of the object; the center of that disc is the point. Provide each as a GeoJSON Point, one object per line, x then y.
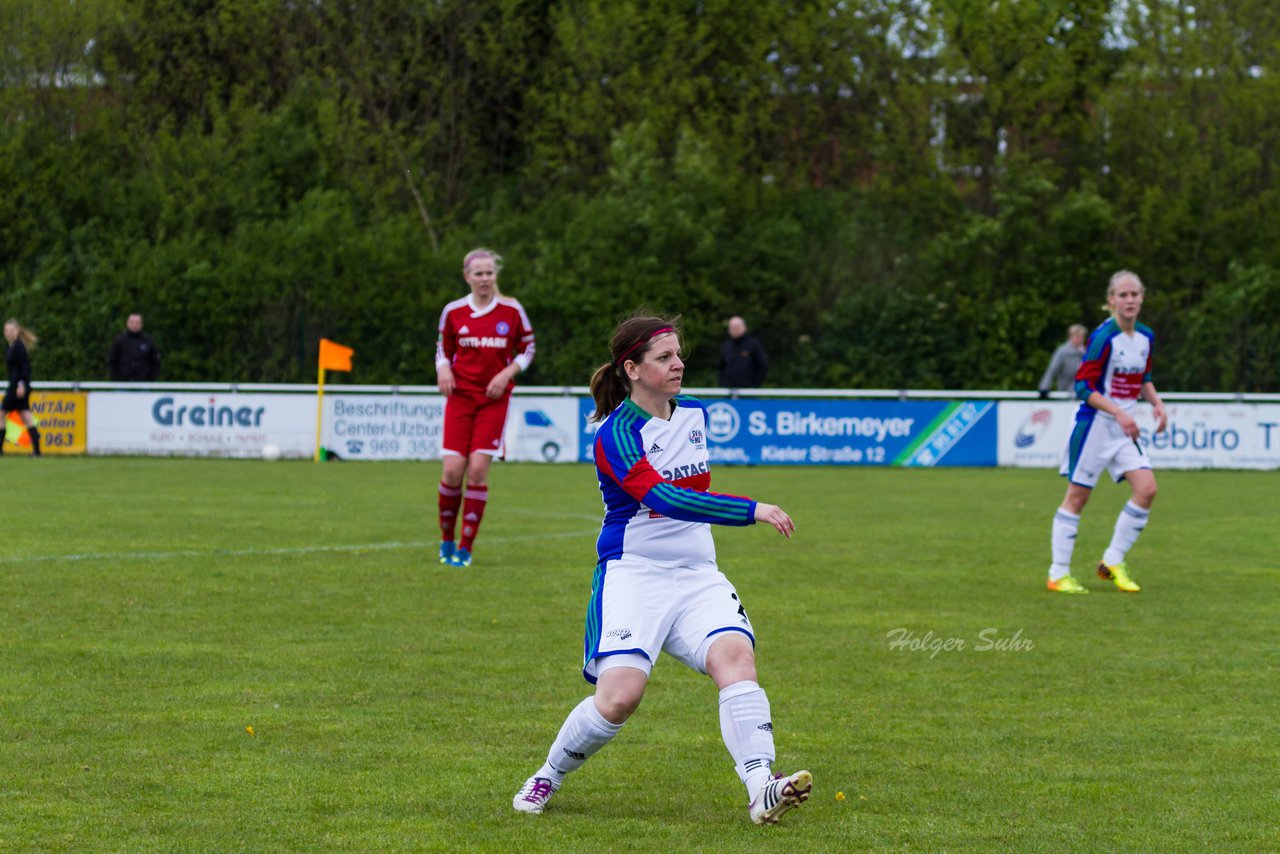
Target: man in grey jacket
{"type": "Point", "coordinates": [1061, 373]}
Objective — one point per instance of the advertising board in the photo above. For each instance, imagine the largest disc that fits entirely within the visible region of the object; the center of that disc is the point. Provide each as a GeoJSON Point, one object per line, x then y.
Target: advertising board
{"type": "Point", "coordinates": [383, 426]}
{"type": "Point", "coordinates": [1199, 435]}
{"type": "Point", "coordinates": [61, 417]}
{"type": "Point", "coordinates": [225, 424]}
{"type": "Point", "coordinates": [843, 432]}
{"type": "Point", "coordinates": [411, 427]}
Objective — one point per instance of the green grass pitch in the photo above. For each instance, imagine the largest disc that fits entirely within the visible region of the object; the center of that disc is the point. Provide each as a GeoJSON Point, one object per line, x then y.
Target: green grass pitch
{"type": "Point", "coordinates": [153, 611]}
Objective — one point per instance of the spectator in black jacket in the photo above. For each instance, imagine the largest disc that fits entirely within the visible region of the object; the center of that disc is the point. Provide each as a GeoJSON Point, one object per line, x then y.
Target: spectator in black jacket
{"type": "Point", "coordinates": [743, 362]}
{"type": "Point", "coordinates": [134, 357]}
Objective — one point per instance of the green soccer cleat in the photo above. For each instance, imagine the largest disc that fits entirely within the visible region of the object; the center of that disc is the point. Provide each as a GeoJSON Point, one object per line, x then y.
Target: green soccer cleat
{"type": "Point", "coordinates": [1118, 573]}
{"type": "Point", "coordinates": [1067, 584]}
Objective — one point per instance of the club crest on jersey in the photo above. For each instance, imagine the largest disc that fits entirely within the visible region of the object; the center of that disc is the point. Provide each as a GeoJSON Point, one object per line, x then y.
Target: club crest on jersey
{"type": "Point", "coordinates": [695, 438]}
{"type": "Point", "coordinates": [502, 328]}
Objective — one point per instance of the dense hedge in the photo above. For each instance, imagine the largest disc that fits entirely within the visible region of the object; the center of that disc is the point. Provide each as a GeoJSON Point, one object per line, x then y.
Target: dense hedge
{"type": "Point", "coordinates": [895, 193]}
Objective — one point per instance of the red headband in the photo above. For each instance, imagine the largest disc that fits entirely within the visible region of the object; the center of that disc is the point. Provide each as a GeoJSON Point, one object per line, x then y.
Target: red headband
{"type": "Point", "coordinates": [663, 331]}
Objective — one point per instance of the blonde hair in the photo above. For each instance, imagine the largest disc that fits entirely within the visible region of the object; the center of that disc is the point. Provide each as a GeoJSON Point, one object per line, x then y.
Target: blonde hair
{"type": "Point", "coordinates": [1115, 280]}
{"type": "Point", "coordinates": [29, 338]}
{"type": "Point", "coordinates": [476, 254]}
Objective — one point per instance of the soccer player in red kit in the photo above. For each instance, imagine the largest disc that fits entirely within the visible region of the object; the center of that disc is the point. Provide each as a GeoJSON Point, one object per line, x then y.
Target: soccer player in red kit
{"type": "Point", "coordinates": [485, 340]}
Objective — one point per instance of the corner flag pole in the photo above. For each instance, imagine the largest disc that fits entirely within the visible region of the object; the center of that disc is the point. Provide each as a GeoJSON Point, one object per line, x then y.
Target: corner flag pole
{"type": "Point", "coordinates": [333, 357]}
{"type": "Point", "coordinates": [319, 413]}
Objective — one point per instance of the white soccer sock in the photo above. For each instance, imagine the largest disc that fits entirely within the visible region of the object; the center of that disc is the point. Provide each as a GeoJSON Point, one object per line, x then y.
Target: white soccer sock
{"type": "Point", "coordinates": [747, 729]}
{"type": "Point", "coordinates": [583, 733]}
{"type": "Point", "coordinates": [1063, 542]}
{"type": "Point", "coordinates": [1129, 525]}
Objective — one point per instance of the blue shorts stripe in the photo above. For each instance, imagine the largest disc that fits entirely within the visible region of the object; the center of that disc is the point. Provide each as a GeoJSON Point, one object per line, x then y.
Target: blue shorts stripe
{"type": "Point", "coordinates": [1078, 435]}
{"type": "Point", "coordinates": [591, 633]}
{"type": "Point", "coordinates": [594, 606]}
{"type": "Point", "coordinates": [750, 636]}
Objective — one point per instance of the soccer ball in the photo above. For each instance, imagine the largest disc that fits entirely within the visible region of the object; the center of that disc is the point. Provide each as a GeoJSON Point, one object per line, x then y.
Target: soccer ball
{"type": "Point", "coordinates": [271, 452]}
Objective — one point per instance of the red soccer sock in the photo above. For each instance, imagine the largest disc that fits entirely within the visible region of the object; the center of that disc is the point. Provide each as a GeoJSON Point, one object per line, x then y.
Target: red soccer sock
{"type": "Point", "coordinates": [472, 512]}
{"type": "Point", "coordinates": [450, 501]}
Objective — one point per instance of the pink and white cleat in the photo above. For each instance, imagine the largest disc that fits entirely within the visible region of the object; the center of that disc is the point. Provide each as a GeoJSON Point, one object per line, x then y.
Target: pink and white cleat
{"type": "Point", "coordinates": [779, 795]}
{"type": "Point", "coordinates": [534, 794]}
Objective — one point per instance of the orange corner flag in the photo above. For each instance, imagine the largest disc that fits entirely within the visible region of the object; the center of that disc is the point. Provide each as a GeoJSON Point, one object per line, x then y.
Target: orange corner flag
{"type": "Point", "coordinates": [15, 431]}
{"type": "Point", "coordinates": [334, 357]}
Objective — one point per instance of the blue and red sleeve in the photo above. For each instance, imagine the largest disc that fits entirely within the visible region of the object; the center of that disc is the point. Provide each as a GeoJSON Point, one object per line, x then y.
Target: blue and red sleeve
{"type": "Point", "coordinates": [1094, 363]}
{"type": "Point", "coordinates": [619, 454]}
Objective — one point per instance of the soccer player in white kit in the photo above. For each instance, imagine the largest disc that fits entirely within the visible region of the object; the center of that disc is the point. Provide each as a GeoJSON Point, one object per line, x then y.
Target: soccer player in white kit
{"type": "Point", "coordinates": [1115, 373]}
{"type": "Point", "coordinates": [657, 587]}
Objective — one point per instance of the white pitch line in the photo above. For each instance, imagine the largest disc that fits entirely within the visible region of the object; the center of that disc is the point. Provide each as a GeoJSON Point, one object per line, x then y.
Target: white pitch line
{"type": "Point", "coordinates": [586, 516]}
{"type": "Point", "coordinates": [260, 552]}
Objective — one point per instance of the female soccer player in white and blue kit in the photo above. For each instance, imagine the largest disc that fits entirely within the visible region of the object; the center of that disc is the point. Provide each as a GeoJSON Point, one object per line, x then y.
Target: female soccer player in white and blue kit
{"type": "Point", "coordinates": [1115, 373]}
{"type": "Point", "coordinates": [657, 587]}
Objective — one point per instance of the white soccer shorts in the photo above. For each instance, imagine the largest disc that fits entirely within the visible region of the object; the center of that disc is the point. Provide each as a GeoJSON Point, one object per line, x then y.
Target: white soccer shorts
{"type": "Point", "coordinates": [645, 608]}
{"type": "Point", "coordinates": [1098, 444]}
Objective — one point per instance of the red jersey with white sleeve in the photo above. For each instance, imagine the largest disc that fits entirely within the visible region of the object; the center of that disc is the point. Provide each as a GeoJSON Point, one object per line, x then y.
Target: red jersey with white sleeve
{"type": "Point", "coordinates": [477, 343]}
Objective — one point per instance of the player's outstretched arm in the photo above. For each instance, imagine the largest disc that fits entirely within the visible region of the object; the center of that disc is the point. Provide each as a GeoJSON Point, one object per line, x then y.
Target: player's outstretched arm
{"type": "Point", "coordinates": [774, 515]}
{"type": "Point", "coordinates": [688, 505]}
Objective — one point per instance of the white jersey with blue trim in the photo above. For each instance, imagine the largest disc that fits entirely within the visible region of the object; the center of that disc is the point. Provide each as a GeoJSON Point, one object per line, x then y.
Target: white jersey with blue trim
{"type": "Point", "coordinates": [1116, 364]}
{"type": "Point", "coordinates": [654, 475]}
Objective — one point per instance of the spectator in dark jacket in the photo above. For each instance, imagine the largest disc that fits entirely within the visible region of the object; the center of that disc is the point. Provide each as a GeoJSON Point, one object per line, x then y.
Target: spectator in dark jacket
{"type": "Point", "coordinates": [743, 362]}
{"type": "Point", "coordinates": [1061, 373]}
{"type": "Point", "coordinates": [134, 356]}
